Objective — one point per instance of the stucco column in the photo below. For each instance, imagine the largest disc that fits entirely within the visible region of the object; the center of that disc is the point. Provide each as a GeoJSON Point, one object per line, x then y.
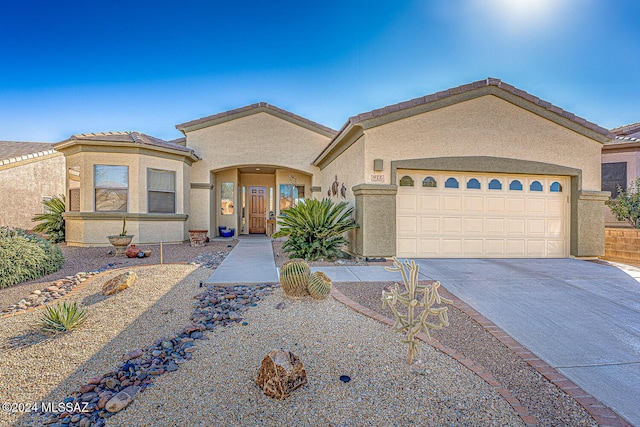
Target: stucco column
{"type": "Point", "coordinates": [376, 215]}
{"type": "Point", "coordinates": [588, 240]}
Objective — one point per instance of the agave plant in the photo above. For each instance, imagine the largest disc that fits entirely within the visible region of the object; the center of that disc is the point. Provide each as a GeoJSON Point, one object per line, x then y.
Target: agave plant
{"type": "Point", "coordinates": [52, 222]}
{"type": "Point", "coordinates": [62, 318]}
{"type": "Point", "coordinates": [315, 228]}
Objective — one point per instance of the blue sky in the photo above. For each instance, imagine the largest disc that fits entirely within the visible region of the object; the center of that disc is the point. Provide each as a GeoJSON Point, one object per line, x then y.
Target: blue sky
{"type": "Point", "coordinates": [92, 66]}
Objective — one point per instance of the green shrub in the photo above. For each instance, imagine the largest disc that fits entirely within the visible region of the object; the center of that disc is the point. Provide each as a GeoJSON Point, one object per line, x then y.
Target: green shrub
{"type": "Point", "coordinates": [52, 222]}
{"type": "Point", "coordinates": [315, 228]}
{"type": "Point", "coordinates": [24, 257]}
{"type": "Point", "coordinates": [626, 207]}
{"type": "Point", "coordinates": [62, 318]}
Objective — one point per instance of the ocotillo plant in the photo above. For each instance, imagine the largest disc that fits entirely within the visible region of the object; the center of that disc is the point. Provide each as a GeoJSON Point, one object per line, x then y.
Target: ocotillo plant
{"type": "Point", "coordinates": [413, 321]}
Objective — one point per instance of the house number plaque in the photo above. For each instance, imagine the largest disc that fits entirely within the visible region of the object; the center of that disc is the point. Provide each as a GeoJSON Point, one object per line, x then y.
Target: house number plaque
{"type": "Point", "coordinates": [377, 178]}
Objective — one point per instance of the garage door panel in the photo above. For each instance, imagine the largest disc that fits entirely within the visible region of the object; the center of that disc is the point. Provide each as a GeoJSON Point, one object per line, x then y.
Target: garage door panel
{"type": "Point", "coordinates": [536, 206]}
{"type": "Point", "coordinates": [407, 202]}
{"type": "Point", "coordinates": [536, 248]}
{"type": "Point", "coordinates": [474, 204]}
{"type": "Point", "coordinates": [555, 207]}
{"type": "Point", "coordinates": [516, 205]}
{"type": "Point", "coordinates": [430, 203]}
{"type": "Point", "coordinates": [514, 221]}
{"type": "Point", "coordinates": [473, 226]}
{"type": "Point", "coordinates": [554, 227]}
{"type": "Point", "coordinates": [515, 226]}
{"type": "Point", "coordinates": [555, 248]}
{"type": "Point", "coordinates": [452, 203]}
{"type": "Point", "coordinates": [495, 204]}
{"type": "Point", "coordinates": [473, 247]}
{"type": "Point", "coordinates": [408, 224]}
{"type": "Point", "coordinates": [495, 225]}
{"type": "Point", "coordinates": [516, 247]}
{"type": "Point", "coordinates": [452, 247]}
{"type": "Point", "coordinates": [451, 225]}
{"type": "Point", "coordinates": [430, 246]}
{"type": "Point", "coordinates": [406, 246]}
{"type": "Point", "coordinates": [536, 227]}
{"type": "Point", "coordinates": [429, 225]}
{"type": "Point", "coordinates": [494, 247]}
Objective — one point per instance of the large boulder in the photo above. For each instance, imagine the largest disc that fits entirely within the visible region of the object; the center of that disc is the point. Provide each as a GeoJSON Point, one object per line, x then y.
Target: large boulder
{"type": "Point", "coordinates": [280, 373]}
{"type": "Point", "coordinates": [119, 283]}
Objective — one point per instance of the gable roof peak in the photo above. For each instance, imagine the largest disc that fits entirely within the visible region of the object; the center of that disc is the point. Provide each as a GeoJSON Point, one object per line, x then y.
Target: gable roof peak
{"type": "Point", "coordinates": [253, 109]}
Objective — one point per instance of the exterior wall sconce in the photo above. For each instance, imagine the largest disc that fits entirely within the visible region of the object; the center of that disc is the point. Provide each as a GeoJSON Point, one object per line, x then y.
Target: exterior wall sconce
{"type": "Point", "coordinates": [377, 165]}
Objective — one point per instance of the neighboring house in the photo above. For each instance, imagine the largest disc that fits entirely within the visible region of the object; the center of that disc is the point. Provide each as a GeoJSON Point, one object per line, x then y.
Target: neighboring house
{"type": "Point", "coordinates": [481, 170]}
{"type": "Point", "coordinates": [620, 164]}
{"type": "Point", "coordinates": [30, 172]}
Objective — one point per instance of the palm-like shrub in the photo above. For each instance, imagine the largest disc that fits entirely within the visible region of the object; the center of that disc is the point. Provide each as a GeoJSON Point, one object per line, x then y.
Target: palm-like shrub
{"type": "Point", "coordinates": [25, 256]}
{"type": "Point", "coordinates": [315, 228]}
{"type": "Point", "coordinates": [52, 222]}
{"type": "Point", "coordinates": [62, 318]}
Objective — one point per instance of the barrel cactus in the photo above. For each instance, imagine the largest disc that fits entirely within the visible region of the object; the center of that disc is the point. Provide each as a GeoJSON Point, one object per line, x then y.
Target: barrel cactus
{"type": "Point", "coordinates": [294, 277]}
{"type": "Point", "coordinates": [319, 285]}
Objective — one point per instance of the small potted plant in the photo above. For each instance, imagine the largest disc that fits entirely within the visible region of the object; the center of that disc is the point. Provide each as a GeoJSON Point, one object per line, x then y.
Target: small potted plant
{"type": "Point", "coordinates": [122, 240]}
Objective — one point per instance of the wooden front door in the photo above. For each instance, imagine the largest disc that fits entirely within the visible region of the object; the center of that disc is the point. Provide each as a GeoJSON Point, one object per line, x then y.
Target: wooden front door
{"type": "Point", "coordinates": [257, 210]}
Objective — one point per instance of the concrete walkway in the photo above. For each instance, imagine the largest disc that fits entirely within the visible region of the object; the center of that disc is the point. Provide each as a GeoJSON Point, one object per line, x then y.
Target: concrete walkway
{"type": "Point", "coordinates": [580, 317]}
{"type": "Point", "coordinates": [251, 261]}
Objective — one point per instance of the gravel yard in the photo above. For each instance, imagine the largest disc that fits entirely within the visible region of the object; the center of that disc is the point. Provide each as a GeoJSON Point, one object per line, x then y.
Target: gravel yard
{"type": "Point", "coordinates": [88, 259]}
{"type": "Point", "coordinates": [217, 386]}
{"type": "Point", "coordinates": [543, 400]}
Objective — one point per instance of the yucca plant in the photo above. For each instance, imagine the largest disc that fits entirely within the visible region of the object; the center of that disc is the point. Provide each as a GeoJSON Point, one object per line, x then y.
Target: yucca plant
{"type": "Point", "coordinates": [52, 222]}
{"type": "Point", "coordinates": [315, 228]}
{"type": "Point", "coordinates": [62, 318]}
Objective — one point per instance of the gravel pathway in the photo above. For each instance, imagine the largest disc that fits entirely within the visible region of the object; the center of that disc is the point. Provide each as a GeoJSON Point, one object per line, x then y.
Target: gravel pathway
{"type": "Point", "coordinates": [543, 400]}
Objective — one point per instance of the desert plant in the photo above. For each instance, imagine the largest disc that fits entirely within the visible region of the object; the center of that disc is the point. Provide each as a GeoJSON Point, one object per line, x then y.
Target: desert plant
{"type": "Point", "coordinates": [319, 285]}
{"type": "Point", "coordinates": [124, 226]}
{"type": "Point", "coordinates": [315, 228]}
{"type": "Point", "coordinates": [294, 277]}
{"type": "Point", "coordinates": [62, 318]}
{"type": "Point", "coordinates": [412, 322]}
{"type": "Point", "coordinates": [24, 256]}
{"type": "Point", "coordinates": [52, 222]}
{"type": "Point", "coordinates": [626, 206]}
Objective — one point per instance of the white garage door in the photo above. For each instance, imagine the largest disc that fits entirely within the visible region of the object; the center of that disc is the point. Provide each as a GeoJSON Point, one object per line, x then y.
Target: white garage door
{"type": "Point", "coordinates": [467, 215]}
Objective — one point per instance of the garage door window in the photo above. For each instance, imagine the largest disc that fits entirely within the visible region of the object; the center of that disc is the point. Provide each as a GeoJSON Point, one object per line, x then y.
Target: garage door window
{"type": "Point", "coordinates": [535, 186]}
{"type": "Point", "coordinates": [556, 187]}
{"type": "Point", "coordinates": [495, 184]}
{"type": "Point", "coordinates": [473, 184]}
{"type": "Point", "coordinates": [429, 182]}
{"type": "Point", "coordinates": [406, 181]}
{"type": "Point", "coordinates": [515, 185]}
{"type": "Point", "coordinates": [451, 183]}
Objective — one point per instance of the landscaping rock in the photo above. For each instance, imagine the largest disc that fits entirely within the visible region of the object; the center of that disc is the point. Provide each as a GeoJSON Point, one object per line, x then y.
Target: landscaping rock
{"type": "Point", "coordinates": [119, 283]}
{"type": "Point", "coordinates": [121, 400]}
{"type": "Point", "coordinates": [280, 373]}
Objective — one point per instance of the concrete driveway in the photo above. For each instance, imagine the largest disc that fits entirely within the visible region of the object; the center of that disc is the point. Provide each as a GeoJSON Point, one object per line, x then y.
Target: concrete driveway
{"type": "Point", "coordinates": [580, 317]}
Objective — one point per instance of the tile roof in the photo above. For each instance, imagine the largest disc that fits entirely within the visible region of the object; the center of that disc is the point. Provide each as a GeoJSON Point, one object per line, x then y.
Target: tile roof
{"type": "Point", "coordinates": [248, 108]}
{"type": "Point", "coordinates": [472, 86]}
{"type": "Point", "coordinates": [130, 137]}
{"type": "Point", "coordinates": [631, 130]}
{"type": "Point", "coordinates": [13, 151]}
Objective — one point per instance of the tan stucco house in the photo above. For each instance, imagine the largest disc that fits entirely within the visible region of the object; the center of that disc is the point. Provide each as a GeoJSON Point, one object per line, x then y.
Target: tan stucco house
{"type": "Point", "coordinates": [480, 170]}
{"type": "Point", "coordinates": [30, 173]}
